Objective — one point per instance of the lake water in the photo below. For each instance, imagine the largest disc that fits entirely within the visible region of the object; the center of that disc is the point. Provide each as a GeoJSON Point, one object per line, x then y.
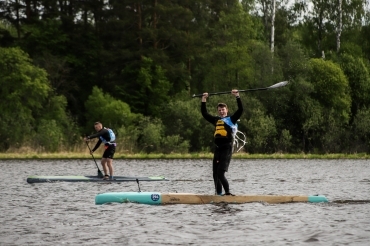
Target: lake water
{"type": "Point", "coordinates": [65, 213]}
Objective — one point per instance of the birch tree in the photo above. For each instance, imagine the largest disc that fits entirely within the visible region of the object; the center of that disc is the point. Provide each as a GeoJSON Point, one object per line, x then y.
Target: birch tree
{"type": "Point", "coordinates": [328, 20]}
{"type": "Point", "coordinates": [340, 23]}
{"type": "Point", "coordinates": [273, 25]}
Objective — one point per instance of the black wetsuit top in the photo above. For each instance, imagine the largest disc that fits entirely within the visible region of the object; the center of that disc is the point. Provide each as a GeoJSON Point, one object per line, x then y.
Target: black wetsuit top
{"type": "Point", "coordinates": [221, 140]}
{"type": "Point", "coordinates": [104, 133]}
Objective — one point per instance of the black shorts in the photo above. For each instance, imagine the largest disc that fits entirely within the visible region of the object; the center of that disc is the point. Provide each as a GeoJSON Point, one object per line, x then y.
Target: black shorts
{"type": "Point", "coordinates": [109, 151]}
{"type": "Point", "coordinates": [222, 157]}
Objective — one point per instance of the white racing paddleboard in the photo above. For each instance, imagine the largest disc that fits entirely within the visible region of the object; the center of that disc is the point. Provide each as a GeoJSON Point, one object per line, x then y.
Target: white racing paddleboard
{"type": "Point", "coordinates": [117, 179]}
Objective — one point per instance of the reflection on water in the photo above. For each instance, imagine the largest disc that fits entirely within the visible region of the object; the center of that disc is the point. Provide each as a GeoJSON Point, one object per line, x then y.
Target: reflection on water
{"type": "Point", "coordinates": [65, 213]}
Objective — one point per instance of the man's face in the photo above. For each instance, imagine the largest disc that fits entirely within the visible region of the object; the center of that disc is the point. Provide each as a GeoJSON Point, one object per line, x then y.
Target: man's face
{"type": "Point", "coordinates": [98, 127]}
{"type": "Point", "coordinates": [222, 111]}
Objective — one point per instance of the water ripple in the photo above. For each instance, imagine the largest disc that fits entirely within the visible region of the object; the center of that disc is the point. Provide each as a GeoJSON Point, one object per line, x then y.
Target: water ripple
{"type": "Point", "coordinates": [65, 213]}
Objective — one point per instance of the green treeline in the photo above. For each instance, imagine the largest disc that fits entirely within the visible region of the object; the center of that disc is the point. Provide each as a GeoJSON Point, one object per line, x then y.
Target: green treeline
{"type": "Point", "coordinates": [134, 65]}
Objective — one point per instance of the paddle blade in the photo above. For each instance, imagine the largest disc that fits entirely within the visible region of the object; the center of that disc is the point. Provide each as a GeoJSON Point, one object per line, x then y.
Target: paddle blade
{"type": "Point", "coordinates": [100, 174]}
{"type": "Point", "coordinates": [280, 84]}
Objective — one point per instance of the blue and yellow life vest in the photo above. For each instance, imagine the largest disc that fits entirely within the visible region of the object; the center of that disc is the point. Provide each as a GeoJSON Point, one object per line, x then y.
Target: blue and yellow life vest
{"type": "Point", "coordinates": [225, 128]}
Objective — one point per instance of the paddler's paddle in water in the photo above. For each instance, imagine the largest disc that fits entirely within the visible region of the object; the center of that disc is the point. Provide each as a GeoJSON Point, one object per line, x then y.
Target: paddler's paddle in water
{"type": "Point", "coordinates": [137, 181]}
{"type": "Point", "coordinates": [100, 174]}
{"type": "Point", "coordinates": [277, 85]}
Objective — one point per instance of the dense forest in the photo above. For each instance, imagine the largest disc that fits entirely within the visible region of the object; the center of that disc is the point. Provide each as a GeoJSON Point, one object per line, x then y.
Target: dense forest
{"type": "Point", "coordinates": [134, 65]}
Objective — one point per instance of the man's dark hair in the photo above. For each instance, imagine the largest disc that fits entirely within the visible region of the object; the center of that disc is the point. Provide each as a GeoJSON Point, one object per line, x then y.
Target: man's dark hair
{"type": "Point", "coordinates": [221, 105]}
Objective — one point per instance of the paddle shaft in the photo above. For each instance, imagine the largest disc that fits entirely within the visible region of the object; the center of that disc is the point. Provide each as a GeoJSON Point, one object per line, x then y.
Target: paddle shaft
{"type": "Point", "coordinates": [277, 85]}
{"type": "Point", "coordinates": [99, 172]}
{"type": "Point", "coordinates": [137, 181]}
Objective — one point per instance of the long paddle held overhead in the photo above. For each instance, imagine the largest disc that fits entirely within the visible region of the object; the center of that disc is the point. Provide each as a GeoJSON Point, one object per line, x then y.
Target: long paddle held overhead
{"type": "Point", "coordinates": [277, 85]}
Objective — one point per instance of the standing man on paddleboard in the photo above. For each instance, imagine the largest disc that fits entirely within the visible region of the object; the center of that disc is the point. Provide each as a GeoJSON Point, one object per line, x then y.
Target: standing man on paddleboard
{"type": "Point", "coordinates": [107, 137]}
{"type": "Point", "coordinates": [225, 130]}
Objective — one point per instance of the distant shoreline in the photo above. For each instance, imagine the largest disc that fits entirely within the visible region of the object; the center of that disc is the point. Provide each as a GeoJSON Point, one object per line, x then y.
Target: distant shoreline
{"type": "Point", "coordinates": [74, 155]}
